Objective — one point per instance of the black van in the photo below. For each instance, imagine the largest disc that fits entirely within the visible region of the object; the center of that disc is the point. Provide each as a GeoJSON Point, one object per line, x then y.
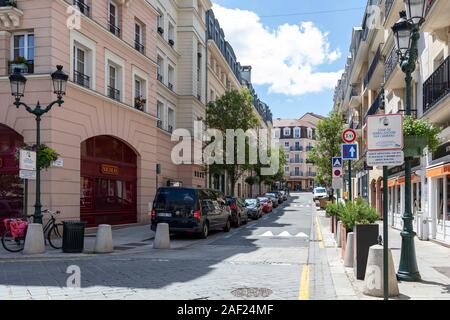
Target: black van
{"type": "Point", "coordinates": [191, 210]}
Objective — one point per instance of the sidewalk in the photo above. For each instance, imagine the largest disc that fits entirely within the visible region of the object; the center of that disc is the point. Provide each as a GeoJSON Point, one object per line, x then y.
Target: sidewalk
{"type": "Point", "coordinates": [125, 239]}
{"type": "Point", "coordinates": [433, 261]}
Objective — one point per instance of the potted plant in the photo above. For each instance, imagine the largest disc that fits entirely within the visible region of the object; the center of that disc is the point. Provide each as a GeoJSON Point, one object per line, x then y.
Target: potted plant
{"type": "Point", "coordinates": [418, 135]}
{"type": "Point", "coordinates": [19, 63]}
{"type": "Point", "coordinates": [366, 235]}
{"type": "Point", "coordinates": [44, 157]}
{"type": "Point", "coordinates": [139, 103]}
{"type": "Point", "coordinates": [332, 210]}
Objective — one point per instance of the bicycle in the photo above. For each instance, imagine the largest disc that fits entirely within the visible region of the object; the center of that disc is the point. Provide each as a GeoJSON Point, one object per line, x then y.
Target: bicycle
{"type": "Point", "coordinates": [14, 241]}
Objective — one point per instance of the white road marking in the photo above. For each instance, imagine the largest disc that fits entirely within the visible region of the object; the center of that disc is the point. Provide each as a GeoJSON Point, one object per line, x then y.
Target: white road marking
{"type": "Point", "coordinates": [267, 234]}
{"type": "Point", "coordinates": [285, 234]}
{"type": "Point", "coordinates": [301, 235]}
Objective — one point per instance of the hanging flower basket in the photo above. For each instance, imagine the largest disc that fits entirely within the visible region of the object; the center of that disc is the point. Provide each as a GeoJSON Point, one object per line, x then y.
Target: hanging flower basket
{"type": "Point", "coordinates": [414, 146]}
{"type": "Point", "coordinates": [45, 155]}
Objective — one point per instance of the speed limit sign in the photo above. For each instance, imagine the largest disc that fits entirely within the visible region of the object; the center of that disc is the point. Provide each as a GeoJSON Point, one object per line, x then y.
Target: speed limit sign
{"type": "Point", "coordinates": [349, 136]}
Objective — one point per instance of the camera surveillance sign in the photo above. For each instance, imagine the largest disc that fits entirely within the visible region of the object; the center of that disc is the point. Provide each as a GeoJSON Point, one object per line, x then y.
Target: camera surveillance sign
{"type": "Point", "coordinates": [385, 132]}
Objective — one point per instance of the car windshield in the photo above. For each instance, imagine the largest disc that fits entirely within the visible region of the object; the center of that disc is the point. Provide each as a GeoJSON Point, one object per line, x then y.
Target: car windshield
{"type": "Point", "coordinates": [173, 200]}
{"type": "Point", "coordinates": [251, 202]}
{"type": "Point", "coordinates": [270, 194]}
{"type": "Point", "coordinates": [263, 200]}
{"type": "Point", "coordinates": [320, 190]}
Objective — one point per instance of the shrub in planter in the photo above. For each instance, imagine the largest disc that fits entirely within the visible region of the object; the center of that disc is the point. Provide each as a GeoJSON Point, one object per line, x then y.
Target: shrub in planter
{"type": "Point", "coordinates": [418, 135]}
{"type": "Point", "coordinates": [366, 235]}
{"type": "Point", "coordinates": [347, 215]}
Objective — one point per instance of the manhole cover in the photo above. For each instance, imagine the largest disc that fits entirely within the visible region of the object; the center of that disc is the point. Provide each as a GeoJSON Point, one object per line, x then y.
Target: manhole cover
{"type": "Point", "coordinates": [252, 292]}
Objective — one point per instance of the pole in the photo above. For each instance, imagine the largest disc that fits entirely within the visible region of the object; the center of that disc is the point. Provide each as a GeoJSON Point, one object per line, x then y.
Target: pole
{"type": "Point", "coordinates": [25, 199]}
{"type": "Point", "coordinates": [350, 197]}
{"type": "Point", "coordinates": [38, 205]}
{"type": "Point", "coordinates": [385, 234]}
{"type": "Point", "coordinates": [408, 270]}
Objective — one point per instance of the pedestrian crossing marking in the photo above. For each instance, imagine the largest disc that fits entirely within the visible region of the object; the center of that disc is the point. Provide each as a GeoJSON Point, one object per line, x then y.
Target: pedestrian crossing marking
{"type": "Point", "coordinates": [284, 234]}
{"type": "Point", "coordinates": [301, 235]}
{"type": "Point", "coordinates": [267, 234]}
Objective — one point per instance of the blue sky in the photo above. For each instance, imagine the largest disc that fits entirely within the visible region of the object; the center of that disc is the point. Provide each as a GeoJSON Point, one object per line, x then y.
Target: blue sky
{"type": "Point", "coordinates": [286, 99]}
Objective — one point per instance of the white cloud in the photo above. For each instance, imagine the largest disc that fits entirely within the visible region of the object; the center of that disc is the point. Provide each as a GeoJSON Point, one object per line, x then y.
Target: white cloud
{"type": "Point", "coordinates": [286, 58]}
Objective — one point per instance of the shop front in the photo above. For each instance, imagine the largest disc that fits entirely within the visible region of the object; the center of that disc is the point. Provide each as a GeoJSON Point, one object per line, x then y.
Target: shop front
{"type": "Point", "coordinates": [11, 186]}
{"type": "Point", "coordinates": [438, 174]}
{"type": "Point", "coordinates": [108, 193]}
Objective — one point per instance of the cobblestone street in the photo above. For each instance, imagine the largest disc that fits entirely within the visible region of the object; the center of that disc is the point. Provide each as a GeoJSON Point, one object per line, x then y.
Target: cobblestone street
{"type": "Point", "coordinates": [270, 253]}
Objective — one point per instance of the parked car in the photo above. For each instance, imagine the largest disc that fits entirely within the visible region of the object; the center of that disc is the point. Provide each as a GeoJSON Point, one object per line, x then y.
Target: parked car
{"type": "Point", "coordinates": [254, 208]}
{"type": "Point", "coordinates": [274, 197]}
{"type": "Point", "coordinates": [284, 195]}
{"type": "Point", "coordinates": [266, 203]}
{"type": "Point", "coordinates": [239, 212]}
{"type": "Point", "coordinates": [279, 196]}
{"type": "Point", "coordinates": [191, 210]}
{"type": "Point", "coordinates": [319, 193]}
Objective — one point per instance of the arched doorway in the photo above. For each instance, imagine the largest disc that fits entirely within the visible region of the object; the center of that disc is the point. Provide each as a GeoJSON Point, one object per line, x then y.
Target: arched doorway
{"type": "Point", "coordinates": [108, 182]}
{"type": "Point", "coordinates": [11, 186]}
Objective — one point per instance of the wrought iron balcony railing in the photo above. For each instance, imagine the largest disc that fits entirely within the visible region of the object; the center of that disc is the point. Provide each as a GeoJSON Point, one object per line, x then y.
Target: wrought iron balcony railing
{"type": "Point", "coordinates": [81, 79]}
{"type": "Point", "coordinates": [113, 93]}
{"type": "Point", "coordinates": [84, 8]}
{"type": "Point", "coordinates": [139, 47]}
{"type": "Point", "coordinates": [114, 29]}
{"type": "Point", "coordinates": [373, 66]}
{"type": "Point", "coordinates": [437, 86]}
{"type": "Point", "coordinates": [376, 105]}
{"type": "Point", "coordinates": [392, 62]}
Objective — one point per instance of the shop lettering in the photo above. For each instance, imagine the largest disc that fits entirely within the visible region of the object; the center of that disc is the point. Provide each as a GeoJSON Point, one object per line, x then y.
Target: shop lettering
{"type": "Point", "coordinates": [110, 170]}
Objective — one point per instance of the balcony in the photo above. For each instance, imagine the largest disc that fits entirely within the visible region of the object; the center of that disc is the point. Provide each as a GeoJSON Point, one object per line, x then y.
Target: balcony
{"type": "Point", "coordinates": [160, 77]}
{"type": "Point", "coordinates": [296, 174]}
{"type": "Point", "coordinates": [170, 85]}
{"type": "Point", "coordinates": [159, 124]}
{"type": "Point", "coordinates": [113, 93]}
{"type": "Point", "coordinates": [388, 8]}
{"type": "Point", "coordinates": [25, 66]}
{"type": "Point", "coordinates": [139, 47]}
{"type": "Point", "coordinates": [355, 96]}
{"type": "Point", "coordinates": [310, 162]}
{"type": "Point", "coordinates": [375, 107]}
{"type": "Point", "coordinates": [296, 161]}
{"type": "Point", "coordinates": [374, 76]}
{"type": "Point", "coordinates": [296, 149]}
{"type": "Point", "coordinates": [436, 21]}
{"type": "Point", "coordinates": [114, 29]}
{"type": "Point", "coordinates": [81, 79]}
{"type": "Point", "coordinates": [84, 8]}
{"type": "Point", "coordinates": [312, 174]}
{"type": "Point", "coordinates": [9, 14]}
{"type": "Point", "coordinates": [437, 86]}
{"type": "Point", "coordinates": [309, 148]}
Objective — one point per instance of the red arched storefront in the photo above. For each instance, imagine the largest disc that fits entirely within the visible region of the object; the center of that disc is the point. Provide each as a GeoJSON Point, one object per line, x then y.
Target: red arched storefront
{"type": "Point", "coordinates": [11, 186]}
{"type": "Point", "coordinates": [108, 182]}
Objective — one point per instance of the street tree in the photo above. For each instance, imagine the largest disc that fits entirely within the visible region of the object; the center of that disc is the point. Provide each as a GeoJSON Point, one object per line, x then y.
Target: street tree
{"type": "Point", "coordinates": [329, 139]}
{"type": "Point", "coordinates": [232, 111]}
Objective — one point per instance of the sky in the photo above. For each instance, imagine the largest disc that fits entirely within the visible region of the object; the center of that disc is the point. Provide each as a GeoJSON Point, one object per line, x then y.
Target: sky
{"type": "Point", "coordinates": [297, 48]}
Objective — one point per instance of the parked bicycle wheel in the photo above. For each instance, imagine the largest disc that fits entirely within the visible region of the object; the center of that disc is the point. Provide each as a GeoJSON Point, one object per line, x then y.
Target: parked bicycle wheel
{"type": "Point", "coordinates": [12, 244]}
{"type": "Point", "coordinates": [55, 236]}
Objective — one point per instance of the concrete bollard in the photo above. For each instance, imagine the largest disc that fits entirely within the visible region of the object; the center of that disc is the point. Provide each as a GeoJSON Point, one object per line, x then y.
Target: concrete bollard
{"type": "Point", "coordinates": [162, 237]}
{"type": "Point", "coordinates": [339, 235]}
{"type": "Point", "coordinates": [103, 240]}
{"type": "Point", "coordinates": [349, 250]}
{"type": "Point", "coordinates": [34, 241]}
{"type": "Point", "coordinates": [373, 279]}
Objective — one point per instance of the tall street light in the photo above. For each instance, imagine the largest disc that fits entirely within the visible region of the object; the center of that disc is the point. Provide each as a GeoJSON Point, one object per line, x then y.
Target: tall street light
{"type": "Point", "coordinates": [18, 82]}
{"type": "Point", "coordinates": [407, 34]}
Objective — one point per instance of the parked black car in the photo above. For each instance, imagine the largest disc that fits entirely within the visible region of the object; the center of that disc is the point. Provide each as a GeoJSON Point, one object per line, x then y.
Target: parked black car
{"type": "Point", "coordinates": [191, 210]}
{"type": "Point", "coordinates": [254, 208]}
{"type": "Point", "coordinates": [238, 209]}
{"type": "Point", "coordinates": [275, 197]}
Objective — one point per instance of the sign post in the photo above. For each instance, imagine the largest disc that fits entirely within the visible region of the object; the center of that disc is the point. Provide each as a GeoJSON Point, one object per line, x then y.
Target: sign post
{"type": "Point", "coordinates": [350, 153]}
{"type": "Point", "coordinates": [27, 171]}
{"type": "Point", "coordinates": [385, 148]}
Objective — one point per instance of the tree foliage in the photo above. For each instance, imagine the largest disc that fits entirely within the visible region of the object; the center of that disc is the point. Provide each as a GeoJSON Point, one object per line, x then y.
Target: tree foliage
{"type": "Point", "coordinates": [329, 139]}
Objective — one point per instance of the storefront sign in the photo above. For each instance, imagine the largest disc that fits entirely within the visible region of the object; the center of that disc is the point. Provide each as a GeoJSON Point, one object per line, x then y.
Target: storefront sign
{"type": "Point", "coordinates": [385, 132]}
{"type": "Point", "coordinates": [27, 174]}
{"type": "Point", "coordinates": [385, 158]}
{"type": "Point", "coordinates": [439, 171]}
{"type": "Point", "coordinates": [27, 160]}
{"type": "Point", "coordinates": [110, 170]}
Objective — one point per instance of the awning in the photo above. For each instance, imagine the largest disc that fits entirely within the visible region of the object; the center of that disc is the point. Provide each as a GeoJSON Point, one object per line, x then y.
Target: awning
{"type": "Point", "coordinates": [399, 181]}
{"type": "Point", "coordinates": [441, 170]}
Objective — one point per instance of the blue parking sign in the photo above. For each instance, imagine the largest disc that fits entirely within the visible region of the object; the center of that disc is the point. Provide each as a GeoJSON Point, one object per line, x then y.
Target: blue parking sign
{"type": "Point", "coordinates": [350, 151]}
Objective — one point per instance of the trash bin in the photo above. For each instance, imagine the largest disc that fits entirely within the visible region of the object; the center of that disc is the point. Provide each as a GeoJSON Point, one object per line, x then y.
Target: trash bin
{"type": "Point", "coordinates": [73, 236]}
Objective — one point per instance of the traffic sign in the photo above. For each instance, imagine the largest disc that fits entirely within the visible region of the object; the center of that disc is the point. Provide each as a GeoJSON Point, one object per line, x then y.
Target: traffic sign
{"type": "Point", "coordinates": [337, 162]}
{"type": "Point", "coordinates": [350, 151]}
{"type": "Point", "coordinates": [27, 174]}
{"type": "Point", "coordinates": [349, 136]}
{"type": "Point", "coordinates": [385, 132]}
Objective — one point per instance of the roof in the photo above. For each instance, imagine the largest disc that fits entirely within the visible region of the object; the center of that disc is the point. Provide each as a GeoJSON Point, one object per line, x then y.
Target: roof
{"type": "Point", "coordinates": [292, 123]}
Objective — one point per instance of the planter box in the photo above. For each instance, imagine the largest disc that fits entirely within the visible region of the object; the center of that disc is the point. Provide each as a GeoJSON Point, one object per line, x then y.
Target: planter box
{"type": "Point", "coordinates": [333, 224]}
{"type": "Point", "coordinates": [343, 240]}
{"type": "Point", "coordinates": [366, 235]}
{"type": "Point", "coordinates": [414, 146]}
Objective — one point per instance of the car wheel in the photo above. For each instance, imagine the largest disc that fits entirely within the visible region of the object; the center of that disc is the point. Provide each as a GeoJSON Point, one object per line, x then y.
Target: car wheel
{"type": "Point", "coordinates": [238, 221]}
{"type": "Point", "coordinates": [246, 220]}
{"type": "Point", "coordinates": [205, 230]}
{"type": "Point", "coordinates": [227, 227]}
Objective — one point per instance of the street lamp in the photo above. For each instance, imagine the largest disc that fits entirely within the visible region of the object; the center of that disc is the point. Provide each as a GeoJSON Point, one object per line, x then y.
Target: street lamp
{"type": "Point", "coordinates": [407, 34]}
{"type": "Point", "coordinates": [18, 82]}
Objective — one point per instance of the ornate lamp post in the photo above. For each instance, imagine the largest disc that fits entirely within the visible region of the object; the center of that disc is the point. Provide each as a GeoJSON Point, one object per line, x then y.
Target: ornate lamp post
{"type": "Point", "coordinates": [18, 81]}
{"type": "Point", "coordinates": [406, 33]}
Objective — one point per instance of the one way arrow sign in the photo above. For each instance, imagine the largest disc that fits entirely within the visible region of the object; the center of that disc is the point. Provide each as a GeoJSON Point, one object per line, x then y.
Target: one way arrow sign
{"type": "Point", "coordinates": [350, 151]}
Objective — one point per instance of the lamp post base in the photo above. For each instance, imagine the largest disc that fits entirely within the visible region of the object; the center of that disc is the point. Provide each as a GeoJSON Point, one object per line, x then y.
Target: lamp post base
{"type": "Point", "coordinates": [408, 270]}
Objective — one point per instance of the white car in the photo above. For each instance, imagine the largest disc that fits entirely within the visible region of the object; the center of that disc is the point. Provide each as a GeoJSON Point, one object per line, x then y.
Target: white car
{"type": "Point", "coordinates": [320, 193]}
